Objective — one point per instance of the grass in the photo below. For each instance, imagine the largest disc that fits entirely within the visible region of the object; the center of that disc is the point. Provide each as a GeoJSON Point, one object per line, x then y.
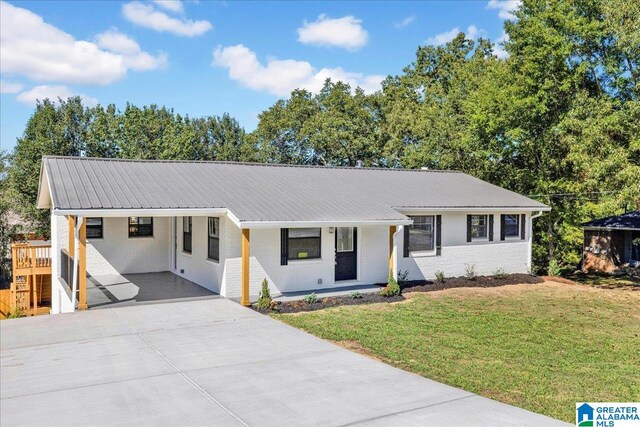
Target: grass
{"type": "Point", "coordinates": [541, 347]}
{"type": "Point", "coordinates": [604, 280]}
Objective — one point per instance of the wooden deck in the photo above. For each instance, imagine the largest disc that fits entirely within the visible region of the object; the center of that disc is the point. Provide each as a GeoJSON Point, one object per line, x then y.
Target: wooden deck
{"type": "Point", "coordinates": [30, 292]}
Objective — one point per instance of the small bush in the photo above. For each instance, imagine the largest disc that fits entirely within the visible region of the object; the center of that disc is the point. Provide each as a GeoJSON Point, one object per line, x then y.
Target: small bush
{"type": "Point", "coordinates": [440, 276]}
{"type": "Point", "coordinates": [264, 300]}
{"type": "Point", "coordinates": [500, 273]}
{"type": "Point", "coordinates": [392, 289]}
{"type": "Point", "coordinates": [402, 276]}
{"type": "Point", "coordinates": [554, 268]}
{"type": "Point", "coordinates": [16, 314]}
{"type": "Point", "coordinates": [355, 295]}
{"type": "Point", "coordinates": [470, 271]}
{"type": "Point", "coordinates": [311, 299]}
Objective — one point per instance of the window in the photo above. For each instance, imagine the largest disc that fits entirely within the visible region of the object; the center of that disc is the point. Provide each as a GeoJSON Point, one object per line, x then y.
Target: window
{"type": "Point", "coordinates": [186, 234]}
{"type": "Point", "coordinates": [94, 228]}
{"type": "Point", "coordinates": [421, 234]}
{"type": "Point", "coordinates": [140, 226]}
{"type": "Point", "coordinates": [344, 239]}
{"type": "Point", "coordinates": [511, 226]}
{"type": "Point", "coordinates": [213, 248]}
{"type": "Point", "coordinates": [304, 243]}
{"type": "Point", "coordinates": [479, 227]}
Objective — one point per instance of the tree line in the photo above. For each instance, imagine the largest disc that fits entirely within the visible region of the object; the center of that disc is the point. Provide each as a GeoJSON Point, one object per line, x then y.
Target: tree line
{"type": "Point", "coordinates": [557, 120]}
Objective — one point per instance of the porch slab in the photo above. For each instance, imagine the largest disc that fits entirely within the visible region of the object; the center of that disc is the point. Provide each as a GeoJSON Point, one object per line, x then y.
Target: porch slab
{"type": "Point", "coordinates": [330, 292]}
{"type": "Point", "coordinates": [214, 362]}
{"type": "Point", "coordinates": [116, 290]}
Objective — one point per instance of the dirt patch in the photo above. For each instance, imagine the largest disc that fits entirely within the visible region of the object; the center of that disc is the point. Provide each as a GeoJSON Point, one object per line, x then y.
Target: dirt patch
{"type": "Point", "coordinates": [356, 347]}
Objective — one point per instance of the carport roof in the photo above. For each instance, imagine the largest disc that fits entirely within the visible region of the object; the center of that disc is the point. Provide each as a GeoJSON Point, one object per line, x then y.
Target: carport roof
{"type": "Point", "coordinates": [626, 221]}
{"type": "Point", "coordinates": [264, 192]}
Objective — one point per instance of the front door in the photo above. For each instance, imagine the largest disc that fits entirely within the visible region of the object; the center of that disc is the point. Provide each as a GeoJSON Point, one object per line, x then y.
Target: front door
{"type": "Point", "coordinates": [346, 253]}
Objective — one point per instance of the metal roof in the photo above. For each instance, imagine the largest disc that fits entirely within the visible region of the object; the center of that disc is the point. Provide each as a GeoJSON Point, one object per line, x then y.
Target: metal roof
{"type": "Point", "coordinates": [629, 220]}
{"type": "Point", "coordinates": [264, 192]}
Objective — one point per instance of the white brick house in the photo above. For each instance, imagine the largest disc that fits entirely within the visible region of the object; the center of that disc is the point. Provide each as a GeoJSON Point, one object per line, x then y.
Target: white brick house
{"type": "Point", "coordinates": [228, 226]}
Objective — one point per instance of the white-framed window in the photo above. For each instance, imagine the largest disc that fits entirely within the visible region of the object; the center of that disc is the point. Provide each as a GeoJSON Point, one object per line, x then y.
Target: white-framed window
{"type": "Point", "coordinates": [213, 245]}
{"type": "Point", "coordinates": [94, 228]}
{"type": "Point", "coordinates": [511, 226]}
{"type": "Point", "coordinates": [422, 234]}
{"type": "Point", "coordinates": [344, 238]}
{"type": "Point", "coordinates": [479, 227]}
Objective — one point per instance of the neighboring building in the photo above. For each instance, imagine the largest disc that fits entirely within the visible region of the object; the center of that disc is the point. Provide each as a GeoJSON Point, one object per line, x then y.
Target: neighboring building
{"type": "Point", "coordinates": [612, 242]}
{"type": "Point", "coordinates": [228, 226]}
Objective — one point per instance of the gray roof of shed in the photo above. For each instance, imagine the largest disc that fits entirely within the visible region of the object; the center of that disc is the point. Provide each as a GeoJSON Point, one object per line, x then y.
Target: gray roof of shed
{"type": "Point", "coordinates": [263, 192]}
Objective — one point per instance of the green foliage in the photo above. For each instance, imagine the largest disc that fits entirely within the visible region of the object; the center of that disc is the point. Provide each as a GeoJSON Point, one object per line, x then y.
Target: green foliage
{"type": "Point", "coordinates": [355, 295]}
{"type": "Point", "coordinates": [470, 271]}
{"type": "Point", "coordinates": [67, 128]}
{"type": "Point", "coordinates": [15, 314]}
{"type": "Point", "coordinates": [402, 276]}
{"type": "Point", "coordinates": [554, 268]}
{"type": "Point", "coordinates": [264, 299]}
{"type": "Point", "coordinates": [440, 278]}
{"type": "Point", "coordinates": [500, 273]}
{"type": "Point", "coordinates": [392, 289]}
{"type": "Point", "coordinates": [311, 298]}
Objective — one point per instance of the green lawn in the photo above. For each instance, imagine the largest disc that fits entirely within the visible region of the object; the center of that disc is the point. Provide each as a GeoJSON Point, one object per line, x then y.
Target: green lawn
{"type": "Point", "coordinates": [542, 347]}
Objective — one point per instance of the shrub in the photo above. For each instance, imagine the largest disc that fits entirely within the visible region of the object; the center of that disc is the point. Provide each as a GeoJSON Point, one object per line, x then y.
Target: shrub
{"type": "Point", "coordinates": [16, 314]}
{"type": "Point", "coordinates": [440, 276]}
{"type": "Point", "coordinates": [554, 268]}
{"type": "Point", "coordinates": [500, 273]}
{"type": "Point", "coordinates": [311, 299]}
{"type": "Point", "coordinates": [355, 295]}
{"type": "Point", "coordinates": [470, 271]}
{"type": "Point", "coordinates": [264, 300]}
{"type": "Point", "coordinates": [392, 289]}
{"type": "Point", "coordinates": [402, 276]}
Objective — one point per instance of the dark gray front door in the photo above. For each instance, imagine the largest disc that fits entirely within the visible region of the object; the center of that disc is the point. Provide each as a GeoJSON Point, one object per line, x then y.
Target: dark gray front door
{"type": "Point", "coordinates": [346, 253]}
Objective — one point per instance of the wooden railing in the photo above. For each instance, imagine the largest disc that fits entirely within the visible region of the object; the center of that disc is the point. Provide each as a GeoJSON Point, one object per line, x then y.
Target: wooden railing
{"type": "Point", "coordinates": [31, 258]}
{"type": "Point", "coordinates": [30, 292]}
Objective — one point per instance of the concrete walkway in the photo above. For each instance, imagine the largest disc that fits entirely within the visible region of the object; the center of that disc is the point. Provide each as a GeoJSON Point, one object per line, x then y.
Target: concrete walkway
{"type": "Point", "coordinates": [213, 362]}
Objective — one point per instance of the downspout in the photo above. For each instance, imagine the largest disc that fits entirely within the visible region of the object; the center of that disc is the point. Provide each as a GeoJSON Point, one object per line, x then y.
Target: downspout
{"type": "Point", "coordinates": [529, 267]}
{"type": "Point", "coordinates": [76, 255]}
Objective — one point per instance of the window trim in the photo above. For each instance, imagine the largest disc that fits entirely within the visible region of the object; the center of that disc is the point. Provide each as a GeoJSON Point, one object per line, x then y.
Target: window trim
{"type": "Point", "coordinates": [432, 252]}
{"type": "Point", "coordinates": [216, 221]}
{"type": "Point", "coordinates": [518, 235]}
{"type": "Point", "coordinates": [486, 227]}
{"type": "Point", "coordinates": [95, 226]}
{"type": "Point", "coordinates": [189, 221]}
{"type": "Point", "coordinates": [138, 236]}
{"type": "Point", "coordinates": [319, 238]}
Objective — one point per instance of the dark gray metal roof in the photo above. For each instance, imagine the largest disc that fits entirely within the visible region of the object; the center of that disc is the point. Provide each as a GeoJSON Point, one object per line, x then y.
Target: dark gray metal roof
{"type": "Point", "coordinates": [629, 220]}
{"type": "Point", "coordinates": [260, 192]}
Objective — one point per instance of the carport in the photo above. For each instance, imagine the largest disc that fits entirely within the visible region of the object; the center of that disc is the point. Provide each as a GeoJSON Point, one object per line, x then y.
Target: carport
{"type": "Point", "coordinates": [115, 290]}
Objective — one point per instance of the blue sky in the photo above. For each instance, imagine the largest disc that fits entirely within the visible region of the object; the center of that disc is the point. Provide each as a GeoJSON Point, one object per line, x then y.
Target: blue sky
{"type": "Point", "coordinates": [208, 58]}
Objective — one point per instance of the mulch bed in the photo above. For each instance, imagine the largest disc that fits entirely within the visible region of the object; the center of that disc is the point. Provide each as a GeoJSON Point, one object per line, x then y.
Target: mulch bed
{"type": "Point", "coordinates": [411, 286]}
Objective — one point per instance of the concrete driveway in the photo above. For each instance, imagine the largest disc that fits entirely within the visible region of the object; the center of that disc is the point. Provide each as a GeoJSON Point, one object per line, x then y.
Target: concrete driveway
{"type": "Point", "coordinates": [213, 362]}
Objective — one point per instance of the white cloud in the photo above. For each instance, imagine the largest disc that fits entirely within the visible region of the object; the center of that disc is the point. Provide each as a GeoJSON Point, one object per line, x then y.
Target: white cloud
{"type": "Point", "coordinates": [405, 22]}
{"type": "Point", "coordinates": [280, 77]}
{"type": "Point", "coordinates": [175, 6]}
{"type": "Point", "coordinates": [345, 32]}
{"type": "Point", "coordinates": [145, 15]}
{"type": "Point", "coordinates": [134, 57]}
{"type": "Point", "coordinates": [505, 7]}
{"type": "Point", "coordinates": [9, 87]}
{"type": "Point", "coordinates": [54, 92]}
{"type": "Point", "coordinates": [498, 49]}
{"type": "Point", "coordinates": [439, 39]}
{"type": "Point", "coordinates": [32, 48]}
